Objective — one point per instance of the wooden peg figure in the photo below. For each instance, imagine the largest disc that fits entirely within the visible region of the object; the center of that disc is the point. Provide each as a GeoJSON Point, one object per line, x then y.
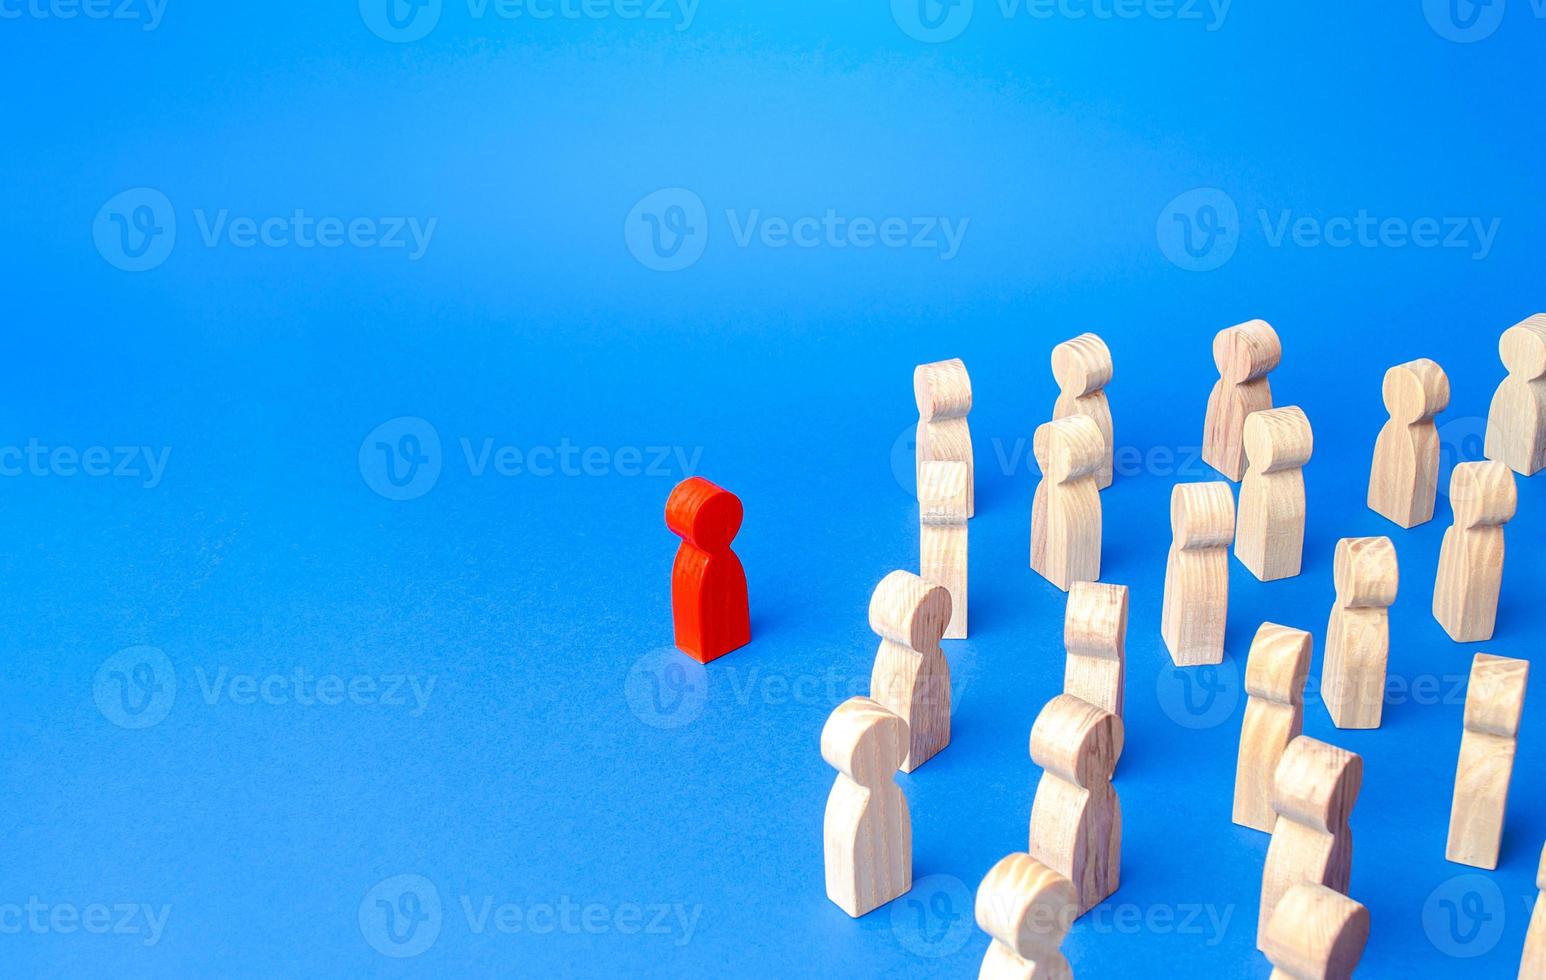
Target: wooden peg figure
{"type": "Point", "coordinates": [1026, 908]}
{"type": "Point", "coordinates": [944, 394]}
{"type": "Point", "coordinates": [1082, 368]}
{"type": "Point", "coordinates": [1095, 633]}
{"type": "Point", "coordinates": [1196, 607]}
{"type": "Point", "coordinates": [1358, 635]}
{"type": "Point", "coordinates": [942, 535]}
{"type": "Point", "coordinates": [1313, 793]}
{"type": "Point", "coordinates": [1076, 819]}
{"type": "Point", "coordinates": [1269, 539]}
{"type": "Point", "coordinates": [1405, 476]}
{"type": "Point", "coordinates": [1274, 716]}
{"type": "Point", "coordinates": [1516, 423]}
{"type": "Point", "coordinates": [1494, 703]}
{"type": "Point", "coordinates": [1465, 592]}
{"type": "Point", "coordinates": [1244, 355]}
{"type": "Point", "coordinates": [1316, 934]}
{"type": "Point", "coordinates": [708, 584]}
{"type": "Point", "coordinates": [1065, 513]}
{"type": "Point", "coordinates": [867, 833]}
{"type": "Point", "coordinates": [1533, 964]}
{"type": "Point", "coordinates": [911, 678]}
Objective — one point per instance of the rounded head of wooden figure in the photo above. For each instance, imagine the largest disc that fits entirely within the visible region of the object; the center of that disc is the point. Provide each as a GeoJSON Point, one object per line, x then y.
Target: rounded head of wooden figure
{"type": "Point", "coordinates": [1278, 663]}
{"type": "Point", "coordinates": [1278, 439]}
{"type": "Point", "coordinates": [1082, 366]}
{"type": "Point", "coordinates": [864, 741]}
{"type": "Point", "coordinates": [1026, 905]}
{"type": "Point", "coordinates": [1316, 932]}
{"type": "Point", "coordinates": [1068, 449]}
{"type": "Point", "coordinates": [1365, 573]}
{"type": "Point", "coordinates": [1415, 391]}
{"type": "Point", "coordinates": [943, 390]}
{"type": "Point", "coordinates": [1483, 494]}
{"type": "Point", "coordinates": [1316, 784]}
{"type": "Point", "coordinates": [703, 514]}
{"type": "Point", "coordinates": [1495, 695]}
{"type": "Point", "coordinates": [1523, 348]}
{"type": "Point", "coordinates": [1077, 741]}
{"type": "Point", "coordinates": [1246, 352]}
{"type": "Point", "coordinates": [1202, 515]}
{"type": "Point", "coordinates": [908, 610]}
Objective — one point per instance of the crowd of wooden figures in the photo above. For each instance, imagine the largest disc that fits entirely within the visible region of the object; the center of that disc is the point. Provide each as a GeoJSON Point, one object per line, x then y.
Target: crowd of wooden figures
{"type": "Point", "coordinates": [1298, 789]}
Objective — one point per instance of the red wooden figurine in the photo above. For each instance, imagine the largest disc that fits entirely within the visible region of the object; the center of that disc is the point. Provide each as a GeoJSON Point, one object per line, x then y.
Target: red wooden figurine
{"type": "Point", "coordinates": [708, 585]}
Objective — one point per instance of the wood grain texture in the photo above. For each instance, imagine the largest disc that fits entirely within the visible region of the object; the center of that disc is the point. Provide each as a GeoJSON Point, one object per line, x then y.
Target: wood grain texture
{"type": "Point", "coordinates": [911, 678]}
{"type": "Point", "coordinates": [1494, 703]}
{"type": "Point", "coordinates": [1082, 368]}
{"type": "Point", "coordinates": [1404, 477]}
{"type": "Point", "coordinates": [1065, 512]}
{"type": "Point", "coordinates": [1516, 423]}
{"type": "Point", "coordinates": [1470, 575]}
{"type": "Point", "coordinates": [1532, 966]}
{"type": "Point", "coordinates": [1275, 674]}
{"type": "Point", "coordinates": [1196, 606]}
{"type": "Point", "coordinates": [1269, 535]}
{"type": "Point", "coordinates": [942, 534]}
{"type": "Point", "coordinates": [943, 391]}
{"type": "Point", "coordinates": [1095, 634]}
{"type": "Point", "coordinates": [1313, 795]}
{"type": "Point", "coordinates": [1026, 908]}
{"type": "Point", "coordinates": [867, 833]}
{"type": "Point", "coordinates": [1358, 633]}
{"type": "Point", "coordinates": [1244, 355]}
{"type": "Point", "coordinates": [1316, 934]}
{"type": "Point", "coordinates": [709, 605]}
{"type": "Point", "coordinates": [1076, 819]}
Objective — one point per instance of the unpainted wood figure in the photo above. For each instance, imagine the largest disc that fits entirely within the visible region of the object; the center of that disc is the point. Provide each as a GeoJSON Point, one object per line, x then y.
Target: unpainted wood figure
{"type": "Point", "coordinates": [1275, 674]}
{"type": "Point", "coordinates": [1532, 966]}
{"type": "Point", "coordinates": [1095, 633]}
{"type": "Point", "coordinates": [1244, 355]}
{"type": "Point", "coordinates": [1269, 538]}
{"type": "Point", "coordinates": [942, 534]}
{"type": "Point", "coordinates": [1312, 843]}
{"type": "Point", "coordinates": [1026, 908]}
{"type": "Point", "coordinates": [944, 394]}
{"type": "Point", "coordinates": [911, 678]}
{"type": "Point", "coordinates": [1065, 512]}
{"type": "Point", "coordinates": [1494, 703]}
{"type": "Point", "coordinates": [1516, 423]}
{"type": "Point", "coordinates": [1358, 634]}
{"type": "Point", "coordinates": [1082, 368]}
{"type": "Point", "coordinates": [1196, 607]}
{"type": "Point", "coordinates": [1404, 478]}
{"type": "Point", "coordinates": [867, 833]}
{"type": "Point", "coordinates": [708, 585]}
{"type": "Point", "coordinates": [1470, 576]}
{"type": "Point", "coordinates": [1076, 819]}
{"type": "Point", "coordinates": [1316, 934]}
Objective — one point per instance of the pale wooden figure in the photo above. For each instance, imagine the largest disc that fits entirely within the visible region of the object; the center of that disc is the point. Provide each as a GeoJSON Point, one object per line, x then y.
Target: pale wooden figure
{"type": "Point", "coordinates": [911, 678]}
{"type": "Point", "coordinates": [1516, 423]}
{"type": "Point", "coordinates": [867, 833]}
{"type": "Point", "coordinates": [1358, 634]}
{"type": "Point", "coordinates": [944, 394]}
{"type": "Point", "coordinates": [942, 516]}
{"type": "Point", "coordinates": [1533, 965]}
{"type": "Point", "coordinates": [1269, 538]}
{"type": "Point", "coordinates": [1465, 592]}
{"type": "Point", "coordinates": [1313, 793]}
{"type": "Point", "coordinates": [1202, 522]}
{"type": "Point", "coordinates": [1493, 705]}
{"type": "Point", "coordinates": [1244, 355]}
{"type": "Point", "coordinates": [1027, 908]}
{"type": "Point", "coordinates": [1082, 368]}
{"type": "Point", "coordinates": [1065, 513]}
{"type": "Point", "coordinates": [1095, 633]}
{"type": "Point", "coordinates": [1275, 674]}
{"type": "Point", "coordinates": [1316, 934]}
{"type": "Point", "coordinates": [1404, 478]}
{"type": "Point", "coordinates": [1076, 819]}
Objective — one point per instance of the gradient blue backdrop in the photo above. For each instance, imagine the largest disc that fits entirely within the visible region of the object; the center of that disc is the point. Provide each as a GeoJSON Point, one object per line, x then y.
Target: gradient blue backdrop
{"type": "Point", "coordinates": [570, 797]}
